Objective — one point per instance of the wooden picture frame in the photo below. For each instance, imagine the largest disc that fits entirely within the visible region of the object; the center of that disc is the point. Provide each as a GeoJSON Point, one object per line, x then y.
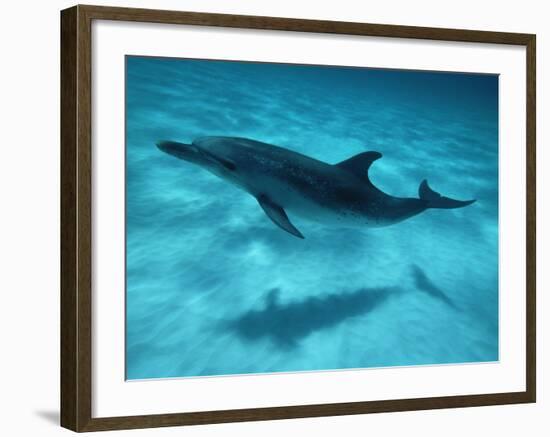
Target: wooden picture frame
{"type": "Point", "coordinates": [76, 217]}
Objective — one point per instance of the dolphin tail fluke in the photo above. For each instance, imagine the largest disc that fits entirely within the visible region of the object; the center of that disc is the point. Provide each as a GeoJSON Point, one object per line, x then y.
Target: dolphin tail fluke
{"type": "Point", "coordinates": [436, 200]}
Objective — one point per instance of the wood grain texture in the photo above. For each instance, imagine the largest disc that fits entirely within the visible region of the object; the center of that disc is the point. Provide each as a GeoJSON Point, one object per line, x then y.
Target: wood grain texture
{"type": "Point", "coordinates": [301, 25]}
{"type": "Point", "coordinates": [303, 411]}
{"type": "Point", "coordinates": [76, 221]}
{"type": "Point", "coordinates": [69, 345]}
{"type": "Point", "coordinates": [76, 185]}
{"type": "Point", "coordinates": [531, 211]}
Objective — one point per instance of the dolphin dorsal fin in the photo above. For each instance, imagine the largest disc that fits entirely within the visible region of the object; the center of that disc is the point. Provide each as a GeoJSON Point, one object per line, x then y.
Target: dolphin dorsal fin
{"type": "Point", "coordinates": [359, 164]}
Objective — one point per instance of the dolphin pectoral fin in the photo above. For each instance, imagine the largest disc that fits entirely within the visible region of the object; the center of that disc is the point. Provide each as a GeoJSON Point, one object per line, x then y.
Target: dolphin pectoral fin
{"type": "Point", "coordinates": [278, 216]}
{"type": "Point", "coordinates": [359, 164]}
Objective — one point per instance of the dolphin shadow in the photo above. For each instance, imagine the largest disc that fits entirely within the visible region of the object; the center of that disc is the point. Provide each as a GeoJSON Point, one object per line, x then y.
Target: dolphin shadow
{"type": "Point", "coordinates": [286, 324]}
{"type": "Point", "coordinates": [423, 283]}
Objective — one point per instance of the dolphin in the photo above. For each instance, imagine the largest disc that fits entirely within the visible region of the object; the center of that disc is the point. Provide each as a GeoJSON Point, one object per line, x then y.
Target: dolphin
{"type": "Point", "coordinates": [282, 180]}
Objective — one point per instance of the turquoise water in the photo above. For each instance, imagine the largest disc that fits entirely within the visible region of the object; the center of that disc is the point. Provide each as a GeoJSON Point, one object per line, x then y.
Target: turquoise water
{"type": "Point", "coordinates": [215, 288]}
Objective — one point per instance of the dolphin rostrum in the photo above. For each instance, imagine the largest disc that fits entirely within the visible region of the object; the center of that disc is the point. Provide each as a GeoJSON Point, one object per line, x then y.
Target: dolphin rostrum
{"type": "Point", "coordinates": [282, 180]}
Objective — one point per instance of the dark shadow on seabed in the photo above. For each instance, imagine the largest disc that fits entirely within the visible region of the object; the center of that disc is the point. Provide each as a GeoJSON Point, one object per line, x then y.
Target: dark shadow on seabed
{"type": "Point", "coordinates": [424, 283]}
{"type": "Point", "coordinates": [288, 323]}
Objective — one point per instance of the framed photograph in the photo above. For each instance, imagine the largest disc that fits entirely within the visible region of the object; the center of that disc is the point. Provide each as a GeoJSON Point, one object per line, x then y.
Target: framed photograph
{"type": "Point", "coordinates": [269, 218]}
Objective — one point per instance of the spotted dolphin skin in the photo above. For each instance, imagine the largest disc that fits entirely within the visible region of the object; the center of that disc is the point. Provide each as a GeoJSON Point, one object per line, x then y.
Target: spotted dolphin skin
{"type": "Point", "coordinates": [282, 180]}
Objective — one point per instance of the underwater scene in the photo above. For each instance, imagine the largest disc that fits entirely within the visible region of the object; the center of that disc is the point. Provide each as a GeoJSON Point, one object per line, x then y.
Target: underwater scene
{"type": "Point", "coordinates": [243, 257]}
